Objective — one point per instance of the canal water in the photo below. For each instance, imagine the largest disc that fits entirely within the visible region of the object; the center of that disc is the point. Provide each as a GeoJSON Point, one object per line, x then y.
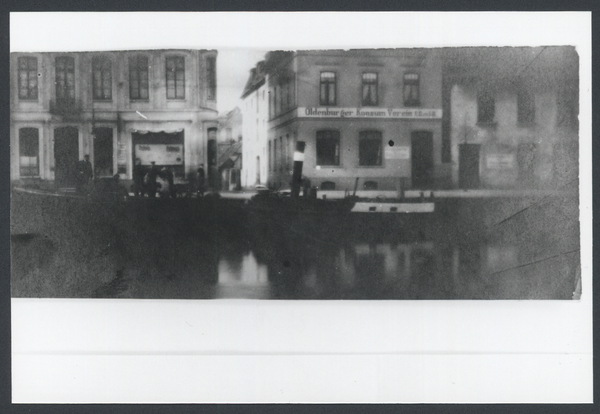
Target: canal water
{"type": "Point", "coordinates": [178, 249]}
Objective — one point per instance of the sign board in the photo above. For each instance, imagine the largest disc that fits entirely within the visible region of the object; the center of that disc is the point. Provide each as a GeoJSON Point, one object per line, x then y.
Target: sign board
{"type": "Point", "coordinates": [397, 153]}
{"type": "Point", "coordinates": [390, 113]}
{"type": "Point", "coordinates": [500, 161]}
{"type": "Point", "coordinates": [162, 154]}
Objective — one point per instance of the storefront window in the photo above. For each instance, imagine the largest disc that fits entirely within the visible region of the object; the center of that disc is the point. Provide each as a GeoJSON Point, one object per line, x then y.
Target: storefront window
{"type": "Point", "coordinates": [369, 148]}
{"type": "Point", "coordinates": [29, 150]}
{"type": "Point", "coordinates": [328, 147]}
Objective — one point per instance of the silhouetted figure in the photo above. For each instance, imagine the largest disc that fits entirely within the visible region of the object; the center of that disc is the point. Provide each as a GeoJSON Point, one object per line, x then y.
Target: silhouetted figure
{"type": "Point", "coordinates": [138, 178]}
{"type": "Point", "coordinates": [201, 180]}
{"type": "Point", "coordinates": [151, 183]}
{"type": "Point", "coordinates": [167, 175]}
{"type": "Point", "coordinates": [84, 174]}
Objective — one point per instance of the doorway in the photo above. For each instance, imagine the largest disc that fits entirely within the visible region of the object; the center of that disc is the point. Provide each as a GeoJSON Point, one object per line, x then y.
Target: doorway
{"type": "Point", "coordinates": [66, 156]}
{"type": "Point", "coordinates": [468, 165]}
{"type": "Point", "coordinates": [422, 159]}
{"type": "Point", "coordinates": [103, 152]}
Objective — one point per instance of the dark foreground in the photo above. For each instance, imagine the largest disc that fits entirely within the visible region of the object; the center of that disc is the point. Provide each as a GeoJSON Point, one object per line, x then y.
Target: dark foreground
{"type": "Point", "coordinates": [498, 248]}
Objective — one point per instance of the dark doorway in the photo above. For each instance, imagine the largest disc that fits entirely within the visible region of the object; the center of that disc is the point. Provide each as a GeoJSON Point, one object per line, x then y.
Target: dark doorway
{"type": "Point", "coordinates": [66, 156]}
{"type": "Point", "coordinates": [468, 165]}
{"type": "Point", "coordinates": [422, 159]}
{"type": "Point", "coordinates": [103, 152]}
{"type": "Point", "coordinates": [257, 169]}
{"type": "Point", "coordinates": [213, 176]}
{"type": "Point", "coordinates": [526, 160]}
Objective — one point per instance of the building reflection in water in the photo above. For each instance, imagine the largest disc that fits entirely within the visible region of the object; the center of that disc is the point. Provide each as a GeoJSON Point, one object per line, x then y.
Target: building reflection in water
{"type": "Point", "coordinates": [242, 277]}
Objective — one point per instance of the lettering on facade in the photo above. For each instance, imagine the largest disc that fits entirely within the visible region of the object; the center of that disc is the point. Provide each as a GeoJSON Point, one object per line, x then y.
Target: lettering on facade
{"type": "Point", "coordinates": [397, 113]}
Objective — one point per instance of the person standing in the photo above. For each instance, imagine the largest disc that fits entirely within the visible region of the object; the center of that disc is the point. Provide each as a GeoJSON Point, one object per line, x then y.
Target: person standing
{"type": "Point", "coordinates": [152, 174]}
{"type": "Point", "coordinates": [138, 178]}
{"type": "Point", "coordinates": [84, 174]}
{"type": "Point", "coordinates": [201, 180]}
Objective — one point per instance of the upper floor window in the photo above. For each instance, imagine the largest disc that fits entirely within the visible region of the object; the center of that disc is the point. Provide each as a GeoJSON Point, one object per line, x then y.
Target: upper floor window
{"type": "Point", "coordinates": [525, 107]}
{"type": "Point", "coordinates": [138, 77]}
{"type": "Point", "coordinates": [29, 152]}
{"type": "Point", "coordinates": [327, 89]}
{"type": "Point", "coordinates": [486, 107]}
{"type": "Point", "coordinates": [28, 83]}
{"type": "Point", "coordinates": [102, 78]}
{"type": "Point", "coordinates": [328, 147]}
{"type": "Point", "coordinates": [369, 89]}
{"type": "Point", "coordinates": [411, 89]}
{"type": "Point", "coordinates": [211, 77]}
{"type": "Point", "coordinates": [175, 77]}
{"type": "Point", "coordinates": [369, 148]}
{"type": "Point", "coordinates": [65, 78]}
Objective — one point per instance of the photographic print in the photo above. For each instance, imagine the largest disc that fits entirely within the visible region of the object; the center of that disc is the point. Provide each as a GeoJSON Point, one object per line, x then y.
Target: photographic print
{"type": "Point", "coordinates": [164, 169]}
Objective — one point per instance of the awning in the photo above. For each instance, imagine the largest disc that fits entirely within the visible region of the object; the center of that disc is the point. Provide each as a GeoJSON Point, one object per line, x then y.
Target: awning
{"type": "Point", "coordinates": [165, 131]}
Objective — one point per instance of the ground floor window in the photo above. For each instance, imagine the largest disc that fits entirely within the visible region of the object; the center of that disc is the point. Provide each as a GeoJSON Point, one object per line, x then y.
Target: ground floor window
{"type": "Point", "coordinates": [369, 148]}
{"type": "Point", "coordinates": [103, 152]}
{"type": "Point", "coordinates": [162, 148]}
{"type": "Point", "coordinates": [29, 152]}
{"type": "Point", "coordinates": [327, 185]}
{"type": "Point", "coordinates": [328, 147]}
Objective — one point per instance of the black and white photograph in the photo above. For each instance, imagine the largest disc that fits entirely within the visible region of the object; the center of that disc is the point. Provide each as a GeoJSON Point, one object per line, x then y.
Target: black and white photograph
{"type": "Point", "coordinates": [261, 196]}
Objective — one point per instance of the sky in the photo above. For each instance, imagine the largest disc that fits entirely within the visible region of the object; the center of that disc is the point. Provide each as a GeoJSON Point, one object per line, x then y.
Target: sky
{"type": "Point", "coordinates": [243, 38]}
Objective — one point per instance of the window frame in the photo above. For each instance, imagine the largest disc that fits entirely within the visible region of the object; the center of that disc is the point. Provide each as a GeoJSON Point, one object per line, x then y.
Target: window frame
{"type": "Point", "coordinates": [370, 135]}
{"type": "Point", "coordinates": [368, 85]}
{"type": "Point", "coordinates": [31, 76]}
{"type": "Point", "coordinates": [64, 76]}
{"type": "Point", "coordinates": [525, 107]}
{"type": "Point", "coordinates": [411, 87]}
{"type": "Point", "coordinates": [177, 73]}
{"type": "Point", "coordinates": [324, 86]}
{"type": "Point", "coordinates": [102, 65]}
{"type": "Point", "coordinates": [486, 107]}
{"type": "Point", "coordinates": [137, 68]}
{"type": "Point", "coordinates": [321, 137]}
{"type": "Point", "coordinates": [211, 78]}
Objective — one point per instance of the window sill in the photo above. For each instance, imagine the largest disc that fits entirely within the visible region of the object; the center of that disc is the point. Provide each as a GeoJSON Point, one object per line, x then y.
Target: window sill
{"type": "Point", "coordinates": [487, 124]}
{"type": "Point", "coordinates": [526, 124]}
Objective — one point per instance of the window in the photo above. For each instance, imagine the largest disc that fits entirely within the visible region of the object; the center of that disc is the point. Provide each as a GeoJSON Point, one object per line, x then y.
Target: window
{"type": "Point", "coordinates": [525, 108]}
{"type": "Point", "coordinates": [328, 88]}
{"type": "Point", "coordinates": [485, 107]}
{"type": "Point", "coordinates": [369, 89]}
{"type": "Point", "coordinates": [138, 77]}
{"type": "Point", "coordinates": [369, 148]}
{"type": "Point", "coordinates": [29, 149]}
{"type": "Point", "coordinates": [175, 77]}
{"type": "Point", "coordinates": [370, 185]}
{"type": "Point", "coordinates": [328, 147]}
{"type": "Point", "coordinates": [65, 78]}
{"type": "Point", "coordinates": [282, 154]}
{"type": "Point", "coordinates": [327, 185]}
{"type": "Point", "coordinates": [102, 78]}
{"type": "Point", "coordinates": [211, 77]}
{"type": "Point", "coordinates": [270, 157]}
{"type": "Point", "coordinates": [411, 89]}
{"type": "Point", "coordinates": [28, 83]}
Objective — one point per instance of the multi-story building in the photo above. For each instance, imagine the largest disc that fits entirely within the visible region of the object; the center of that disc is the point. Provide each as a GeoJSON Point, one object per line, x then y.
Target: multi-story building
{"type": "Point", "coordinates": [510, 116]}
{"type": "Point", "coordinates": [372, 115]}
{"type": "Point", "coordinates": [115, 106]}
{"type": "Point", "coordinates": [255, 116]}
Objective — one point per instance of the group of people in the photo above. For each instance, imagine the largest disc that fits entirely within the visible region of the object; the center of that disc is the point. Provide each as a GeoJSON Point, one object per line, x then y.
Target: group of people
{"type": "Point", "coordinates": [153, 180]}
{"type": "Point", "coordinates": [147, 181]}
{"type": "Point", "coordinates": [85, 178]}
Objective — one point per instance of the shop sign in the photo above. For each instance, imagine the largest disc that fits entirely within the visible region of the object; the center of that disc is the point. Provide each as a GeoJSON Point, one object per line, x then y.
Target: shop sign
{"type": "Point", "coordinates": [390, 113]}
{"type": "Point", "coordinates": [161, 154]}
{"type": "Point", "coordinates": [397, 153]}
{"type": "Point", "coordinates": [500, 161]}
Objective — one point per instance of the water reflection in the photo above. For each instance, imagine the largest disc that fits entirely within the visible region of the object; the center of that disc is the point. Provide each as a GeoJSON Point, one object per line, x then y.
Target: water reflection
{"type": "Point", "coordinates": [80, 251]}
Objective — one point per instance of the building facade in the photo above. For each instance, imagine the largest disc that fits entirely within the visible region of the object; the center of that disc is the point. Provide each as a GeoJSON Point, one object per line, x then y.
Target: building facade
{"type": "Point", "coordinates": [115, 106]}
{"type": "Point", "coordinates": [414, 118]}
{"type": "Point", "coordinates": [511, 116]}
{"type": "Point", "coordinates": [368, 115]}
{"type": "Point", "coordinates": [255, 117]}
